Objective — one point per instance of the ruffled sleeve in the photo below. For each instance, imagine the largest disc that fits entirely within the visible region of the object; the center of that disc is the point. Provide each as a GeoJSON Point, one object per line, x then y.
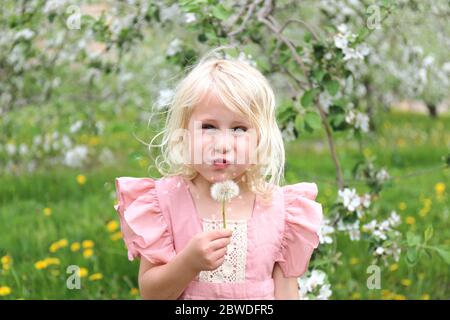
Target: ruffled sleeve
{"type": "Point", "coordinates": [144, 228]}
{"type": "Point", "coordinates": [303, 216]}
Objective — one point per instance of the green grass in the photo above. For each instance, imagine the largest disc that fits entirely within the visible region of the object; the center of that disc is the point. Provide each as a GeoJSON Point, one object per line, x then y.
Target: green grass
{"type": "Point", "coordinates": [410, 146]}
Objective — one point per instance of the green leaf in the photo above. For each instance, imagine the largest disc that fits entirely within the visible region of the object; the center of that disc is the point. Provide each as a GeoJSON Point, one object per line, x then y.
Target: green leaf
{"type": "Point", "coordinates": [411, 256]}
{"type": "Point", "coordinates": [220, 12]}
{"type": "Point", "coordinates": [285, 113]}
{"type": "Point", "coordinates": [318, 74]}
{"type": "Point", "coordinates": [313, 120]}
{"type": "Point", "coordinates": [307, 37]}
{"type": "Point", "coordinates": [332, 86]}
{"type": "Point", "coordinates": [412, 239]}
{"type": "Point", "coordinates": [443, 252]}
{"type": "Point", "coordinates": [299, 123]}
{"type": "Point", "coordinates": [308, 98]}
{"type": "Point", "coordinates": [338, 119]}
{"type": "Point", "coordinates": [428, 234]}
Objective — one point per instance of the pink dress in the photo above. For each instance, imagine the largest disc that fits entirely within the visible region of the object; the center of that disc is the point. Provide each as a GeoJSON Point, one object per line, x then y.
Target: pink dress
{"type": "Point", "coordinates": [158, 218]}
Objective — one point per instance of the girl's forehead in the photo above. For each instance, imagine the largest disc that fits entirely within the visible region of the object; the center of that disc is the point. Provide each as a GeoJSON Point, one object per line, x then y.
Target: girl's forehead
{"type": "Point", "coordinates": [216, 112]}
{"type": "Point", "coordinates": [212, 107]}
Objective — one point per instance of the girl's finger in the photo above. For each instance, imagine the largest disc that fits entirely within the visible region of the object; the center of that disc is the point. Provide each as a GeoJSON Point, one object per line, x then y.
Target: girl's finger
{"type": "Point", "coordinates": [219, 243]}
{"type": "Point", "coordinates": [218, 254]}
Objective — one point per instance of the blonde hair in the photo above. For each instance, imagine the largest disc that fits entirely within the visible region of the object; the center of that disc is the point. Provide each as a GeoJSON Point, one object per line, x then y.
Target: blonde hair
{"type": "Point", "coordinates": [244, 90]}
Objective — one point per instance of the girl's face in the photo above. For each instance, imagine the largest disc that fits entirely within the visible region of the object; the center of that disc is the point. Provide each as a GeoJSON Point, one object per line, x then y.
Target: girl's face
{"type": "Point", "coordinates": [218, 135]}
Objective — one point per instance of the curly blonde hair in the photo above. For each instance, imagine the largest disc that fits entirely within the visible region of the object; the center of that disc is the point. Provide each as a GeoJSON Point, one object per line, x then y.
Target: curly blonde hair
{"type": "Point", "coordinates": [245, 91]}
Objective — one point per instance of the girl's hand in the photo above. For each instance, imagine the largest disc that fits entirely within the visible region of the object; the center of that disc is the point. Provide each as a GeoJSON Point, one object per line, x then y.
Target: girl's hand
{"type": "Point", "coordinates": [206, 250]}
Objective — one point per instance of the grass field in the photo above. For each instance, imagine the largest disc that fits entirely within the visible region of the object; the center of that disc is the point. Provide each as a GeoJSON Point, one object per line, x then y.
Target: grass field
{"type": "Point", "coordinates": [56, 217]}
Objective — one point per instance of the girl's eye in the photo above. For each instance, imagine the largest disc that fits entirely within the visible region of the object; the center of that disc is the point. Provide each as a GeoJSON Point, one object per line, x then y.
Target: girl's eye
{"type": "Point", "coordinates": [240, 129]}
{"type": "Point", "coordinates": [207, 126]}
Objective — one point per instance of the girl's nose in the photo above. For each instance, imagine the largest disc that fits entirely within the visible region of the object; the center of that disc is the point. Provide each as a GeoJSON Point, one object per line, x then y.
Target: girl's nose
{"type": "Point", "coordinates": [223, 142]}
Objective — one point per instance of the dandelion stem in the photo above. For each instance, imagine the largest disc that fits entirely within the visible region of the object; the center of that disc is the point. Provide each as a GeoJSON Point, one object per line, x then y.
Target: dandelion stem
{"type": "Point", "coordinates": [223, 215]}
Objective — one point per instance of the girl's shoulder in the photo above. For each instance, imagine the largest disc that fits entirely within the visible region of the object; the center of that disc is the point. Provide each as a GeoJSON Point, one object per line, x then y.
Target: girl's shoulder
{"type": "Point", "coordinates": [299, 200]}
{"type": "Point", "coordinates": [145, 229]}
{"type": "Point", "coordinates": [303, 217]}
{"type": "Point", "coordinates": [131, 188]}
{"type": "Point", "coordinates": [303, 189]}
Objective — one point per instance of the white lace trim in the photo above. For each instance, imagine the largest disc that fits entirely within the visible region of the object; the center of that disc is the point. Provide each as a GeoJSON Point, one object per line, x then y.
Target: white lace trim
{"type": "Point", "coordinates": [233, 268]}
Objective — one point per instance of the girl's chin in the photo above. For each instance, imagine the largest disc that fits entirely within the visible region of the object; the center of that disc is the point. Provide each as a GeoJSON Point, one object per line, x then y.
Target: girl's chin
{"type": "Point", "coordinates": [222, 175]}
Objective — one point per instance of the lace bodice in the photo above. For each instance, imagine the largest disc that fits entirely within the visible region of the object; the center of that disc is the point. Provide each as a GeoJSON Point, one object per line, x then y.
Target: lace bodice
{"type": "Point", "coordinates": [232, 269]}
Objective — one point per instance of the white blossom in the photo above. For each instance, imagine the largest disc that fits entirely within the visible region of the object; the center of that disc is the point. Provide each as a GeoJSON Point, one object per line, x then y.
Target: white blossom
{"type": "Point", "coordinates": [174, 47]}
{"type": "Point", "coordinates": [349, 198]}
{"type": "Point", "coordinates": [23, 149]}
{"type": "Point", "coordinates": [76, 156]}
{"type": "Point", "coordinates": [362, 122]}
{"type": "Point", "coordinates": [325, 232]}
{"type": "Point", "coordinates": [189, 17]}
{"type": "Point", "coordinates": [26, 34]}
{"type": "Point", "coordinates": [379, 251]}
{"type": "Point", "coordinates": [288, 132]}
{"type": "Point", "coordinates": [76, 126]}
{"type": "Point", "coordinates": [325, 292]}
{"type": "Point", "coordinates": [164, 98]}
{"type": "Point", "coordinates": [314, 285]}
{"type": "Point", "coordinates": [382, 175]}
{"type": "Point", "coordinates": [10, 148]}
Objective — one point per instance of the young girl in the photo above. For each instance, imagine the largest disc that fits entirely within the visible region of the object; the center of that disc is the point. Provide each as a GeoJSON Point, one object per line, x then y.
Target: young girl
{"type": "Point", "coordinates": [222, 116]}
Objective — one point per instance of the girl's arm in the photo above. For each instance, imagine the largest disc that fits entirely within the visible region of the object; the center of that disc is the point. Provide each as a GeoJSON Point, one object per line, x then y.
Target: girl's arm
{"type": "Point", "coordinates": [285, 288]}
{"type": "Point", "coordinates": [205, 251]}
{"type": "Point", "coordinates": [167, 281]}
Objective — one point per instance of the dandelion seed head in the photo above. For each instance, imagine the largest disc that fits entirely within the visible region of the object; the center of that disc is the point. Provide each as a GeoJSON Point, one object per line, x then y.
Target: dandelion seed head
{"type": "Point", "coordinates": [224, 191]}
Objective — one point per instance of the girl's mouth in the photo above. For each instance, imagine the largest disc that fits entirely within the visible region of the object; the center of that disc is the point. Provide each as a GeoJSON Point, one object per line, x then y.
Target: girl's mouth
{"type": "Point", "coordinates": [220, 163]}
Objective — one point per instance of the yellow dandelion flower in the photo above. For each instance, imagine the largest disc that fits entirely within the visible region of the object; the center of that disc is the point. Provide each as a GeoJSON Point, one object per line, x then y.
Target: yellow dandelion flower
{"type": "Point", "coordinates": [393, 267]}
{"type": "Point", "coordinates": [116, 236]}
{"type": "Point", "coordinates": [83, 272]}
{"type": "Point", "coordinates": [54, 247]}
{"type": "Point", "coordinates": [4, 290]}
{"type": "Point", "coordinates": [134, 291]}
{"type": "Point", "coordinates": [354, 261]}
{"type": "Point", "coordinates": [386, 294]}
{"type": "Point", "coordinates": [399, 297]}
{"type": "Point", "coordinates": [63, 243]}
{"type": "Point", "coordinates": [356, 296]}
{"type": "Point", "coordinates": [52, 261]}
{"type": "Point", "coordinates": [400, 142]}
{"type": "Point", "coordinates": [87, 253]}
{"type": "Point", "coordinates": [423, 212]}
{"type": "Point", "coordinates": [406, 282]}
{"type": "Point", "coordinates": [439, 188]}
{"type": "Point", "coordinates": [47, 212]}
{"type": "Point", "coordinates": [81, 179]}
{"type": "Point", "coordinates": [87, 244]}
{"type": "Point", "coordinates": [402, 206]}
{"type": "Point", "coordinates": [367, 152]}
{"type": "Point", "coordinates": [75, 246]}
{"type": "Point", "coordinates": [112, 225]}
{"type": "Point", "coordinates": [427, 202]}
{"type": "Point", "coordinates": [96, 276]}
{"type": "Point", "coordinates": [94, 140]}
{"type": "Point", "coordinates": [41, 264]}
{"type": "Point", "coordinates": [425, 296]}
{"type": "Point", "coordinates": [6, 259]}
{"type": "Point", "coordinates": [410, 220]}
